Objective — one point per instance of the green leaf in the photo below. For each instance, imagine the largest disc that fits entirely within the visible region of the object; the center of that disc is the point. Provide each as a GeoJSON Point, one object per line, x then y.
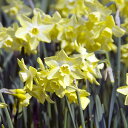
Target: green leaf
{"type": "Point", "coordinates": [124, 118]}
{"type": "Point", "coordinates": [99, 109]}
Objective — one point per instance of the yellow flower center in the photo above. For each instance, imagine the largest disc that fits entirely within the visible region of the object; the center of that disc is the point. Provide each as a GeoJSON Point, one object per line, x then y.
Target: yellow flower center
{"type": "Point", "coordinates": [35, 31]}
{"type": "Point", "coordinates": [13, 11]}
{"type": "Point", "coordinates": [65, 69]}
{"type": "Point", "coordinates": [8, 42]}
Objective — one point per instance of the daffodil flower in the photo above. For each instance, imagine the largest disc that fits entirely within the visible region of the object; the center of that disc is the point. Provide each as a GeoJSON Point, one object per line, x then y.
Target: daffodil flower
{"type": "Point", "coordinates": [8, 41]}
{"type": "Point", "coordinates": [56, 77]}
{"type": "Point", "coordinates": [27, 75]}
{"type": "Point", "coordinates": [72, 97]}
{"type": "Point", "coordinates": [63, 67]}
{"type": "Point", "coordinates": [33, 27]}
{"type": "Point", "coordinates": [40, 94]}
{"type": "Point", "coordinates": [21, 94]}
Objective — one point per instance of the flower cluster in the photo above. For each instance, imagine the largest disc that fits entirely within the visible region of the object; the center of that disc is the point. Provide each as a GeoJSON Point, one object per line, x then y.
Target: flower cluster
{"type": "Point", "coordinates": [91, 24]}
{"type": "Point", "coordinates": [58, 76]}
{"type": "Point", "coordinates": [91, 27]}
{"type": "Point", "coordinates": [81, 27]}
{"type": "Point", "coordinates": [28, 36]}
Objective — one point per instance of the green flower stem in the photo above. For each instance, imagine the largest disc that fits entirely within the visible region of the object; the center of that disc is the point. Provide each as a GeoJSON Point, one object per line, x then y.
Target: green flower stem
{"type": "Point", "coordinates": [70, 111]}
{"type": "Point", "coordinates": [10, 125]}
{"type": "Point", "coordinates": [117, 18]}
{"type": "Point", "coordinates": [49, 105]}
{"type": "Point", "coordinates": [25, 117]}
{"type": "Point", "coordinates": [123, 118]}
{"type": "Point", "coordinates": [110, 3]}
{"type": "Point", "coordinates": [80, 107]}
{"type": "Point", "coordinates": [118, 62]}
{"type": "Point", "coordinates": [81, 111]}
{"type": "Point", "coordinates": [44, 50]}
{"type": "Point", "coordinates": [108, 58]}
{"type": "Point", "coordinates": [45, 5]}
{"type": "Point", "coordinates": [115, 85]}
{"type": "Point", "coordinates": [56, 113]}
{"type": "Point", "coordinates": [90, 105]}
{"type": "Point", "coordinates": [31, 4]}
{"type": "Point", "coordinates": [65, 118]}
{"type": "Point", "coordinates": [117, 78]}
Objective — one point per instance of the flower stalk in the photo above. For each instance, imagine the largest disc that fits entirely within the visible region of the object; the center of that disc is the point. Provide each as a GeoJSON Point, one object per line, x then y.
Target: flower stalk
{"type": "Point", "coordinates": [70, 111]}
{"type": "Point", "coordinates": [80, 107]}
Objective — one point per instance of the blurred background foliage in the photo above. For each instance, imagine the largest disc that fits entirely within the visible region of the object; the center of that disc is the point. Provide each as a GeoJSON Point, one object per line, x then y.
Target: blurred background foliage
{"type": "Point", "coordinates": [106, 109]}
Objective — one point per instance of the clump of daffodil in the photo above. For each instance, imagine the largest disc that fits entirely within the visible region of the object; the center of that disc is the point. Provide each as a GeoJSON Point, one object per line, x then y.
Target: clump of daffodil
{"type": "Point", "coordinates": [124, 90]}
{"type": "Point", "coordinates": [94, 30]}
{"type": "Point", "coordinates": [41, 27]}
{"type": "Point", "coordinates": [66, 69]}
{"type": "Point", "coordinates": [31, 75]}
{"type": "Point", "coordinates": [90, 64]}
{"type": "Point", "coordinates": [59, 74]}
{"type": "Point", "coordinates": [8, 41]}
{"type": "Point", "coordinates": [15, 8]}
{"type": "Point", "coordinates": [95, 33]}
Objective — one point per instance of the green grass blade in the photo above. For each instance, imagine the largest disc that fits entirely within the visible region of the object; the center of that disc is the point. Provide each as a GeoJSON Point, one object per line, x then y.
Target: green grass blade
{"type": "Point", "coordinates": [98, 108]}
{"type": "Point", "coordinates": [124, 118]}
{"type": "Point", "coordinates": [10, 125]}
{"type": "Point", "coordinates": [70, 111]}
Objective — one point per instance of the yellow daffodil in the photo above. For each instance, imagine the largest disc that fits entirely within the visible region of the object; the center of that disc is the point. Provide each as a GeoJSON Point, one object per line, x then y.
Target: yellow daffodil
{"type": "Point", "coordinates": [21, 94]}
{"type": "Point", "coordinates": [72, 97]}
{"type": "Point", "coordinates": [68, 68]}
{"type": "Point", "coordinates": [89, 65]}
{"type": "Point", "coordinates": [8, 40]}
{"type": "Point", "coordinates": [54, 20]}
{"type": "Point", "coordinates": [27, 75]}
{"type": "Point", "coordinates": [39, 93]}
{"type": "Point", "coordinates": [93, 31]}
{"type": "Point", "coordinates": [33, 27]}
{"type": "Point", "coordinates": [57, 77]}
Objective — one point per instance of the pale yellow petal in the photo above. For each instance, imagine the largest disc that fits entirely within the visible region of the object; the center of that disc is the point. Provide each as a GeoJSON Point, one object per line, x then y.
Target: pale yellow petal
{"type": "Point", "coordinates": [123, 90]}
{"type": "Point", "coordinates": [3, 105]}
{"type": "Point", "coordinates": [126, 100]}
{"type": "Point", "coordinates": [84, 102]}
